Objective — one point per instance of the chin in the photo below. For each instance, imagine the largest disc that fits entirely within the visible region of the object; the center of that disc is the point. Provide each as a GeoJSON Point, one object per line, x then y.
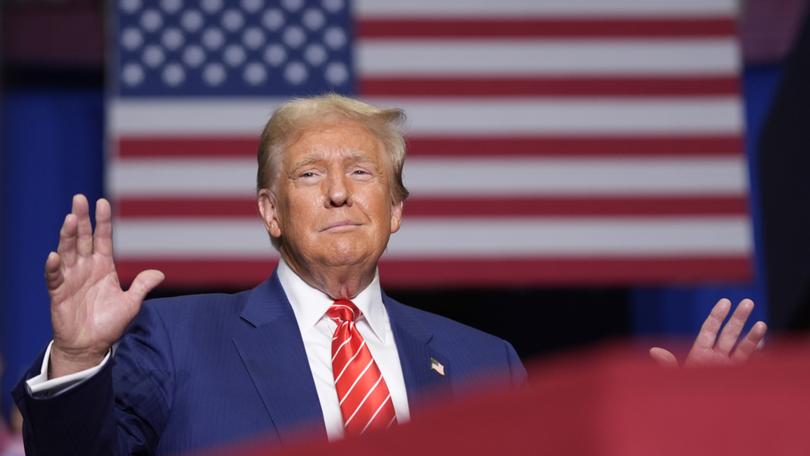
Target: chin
{"type": "Point", "coordinates": [344, 253]}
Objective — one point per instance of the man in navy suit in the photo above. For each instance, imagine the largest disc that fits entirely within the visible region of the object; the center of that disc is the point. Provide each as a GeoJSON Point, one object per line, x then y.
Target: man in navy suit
{"type": "Point", "coordinates": [181, 374]}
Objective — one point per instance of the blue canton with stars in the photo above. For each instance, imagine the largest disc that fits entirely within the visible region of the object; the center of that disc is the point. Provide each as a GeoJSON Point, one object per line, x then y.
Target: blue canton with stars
{"type": "Point", "coordinates": [233, 47]}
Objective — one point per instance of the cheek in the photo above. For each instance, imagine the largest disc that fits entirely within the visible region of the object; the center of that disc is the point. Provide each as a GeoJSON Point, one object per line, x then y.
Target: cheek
{"type": "Point", "coordinates": [301, 207]}
{"type": "Point", "coordinates": [375, 200]}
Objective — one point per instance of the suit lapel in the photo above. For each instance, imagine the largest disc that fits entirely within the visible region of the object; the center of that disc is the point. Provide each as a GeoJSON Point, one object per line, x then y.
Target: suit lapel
{"type": "Point", "coordinates": [422, 365]}
{"type": "Point", "coordinates": [273, 353]}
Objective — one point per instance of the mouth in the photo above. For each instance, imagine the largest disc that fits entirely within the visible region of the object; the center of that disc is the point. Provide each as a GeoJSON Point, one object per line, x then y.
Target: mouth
{"type": "Point", "coordinates": [339, 226]}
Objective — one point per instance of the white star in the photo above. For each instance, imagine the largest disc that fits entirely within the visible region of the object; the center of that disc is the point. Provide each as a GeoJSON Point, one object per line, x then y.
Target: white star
{"type": "Point", "coordinates": [255, 73]}
{"type": "Point", "coordinates": [132, 74]}
{"type": "Point", "coordinates": [294, 36]}
{"type": "Point", "coordinates": [153, 56]}
{"type": "Point", "coordinates": [315, 54]}
{"type": "Point", "coordinates": [131, 38]}
{"type": "Point", "coordinates": [295, 72]}
{"type": "Point", "coordinates": [192, 20]}
{"type": "Point", "coordinates": [234, 55]}
{"type": "Point", "coordinates": [334, 37]}
{"type": "Point", "coordinates": [332, 5]}
{"type": "Point", "coordinates": [214, 74]}
{"type": "Point", "coordinates": [275, 54]}
{"type": "Point", "coordinates": [336, 73]}
{"type": "Point", "coordinates": [273, 19]}
{"type": "Point", "coordinates": [232, 20]}
{"type": "Point", "coordinates": [173, 74]}
{"type": "Point", "coordinates": [151, 20]}
{"type": "Point", "coordinates": [313, 18]}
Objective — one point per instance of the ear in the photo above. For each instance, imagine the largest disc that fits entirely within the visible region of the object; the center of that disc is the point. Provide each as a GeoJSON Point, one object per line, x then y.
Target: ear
{"type": "Point", "coordinates": [268, 208]}
{"type": "Point", "coordinates": [396, 216]}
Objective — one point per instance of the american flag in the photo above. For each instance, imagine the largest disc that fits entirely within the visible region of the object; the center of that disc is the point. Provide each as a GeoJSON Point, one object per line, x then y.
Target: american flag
{"type": "Point", "coordinates": [549, 142]}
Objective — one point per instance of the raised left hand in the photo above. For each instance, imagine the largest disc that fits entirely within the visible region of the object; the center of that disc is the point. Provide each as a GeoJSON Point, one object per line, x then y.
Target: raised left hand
{"type": "Point", "coordinates": [718, 345]}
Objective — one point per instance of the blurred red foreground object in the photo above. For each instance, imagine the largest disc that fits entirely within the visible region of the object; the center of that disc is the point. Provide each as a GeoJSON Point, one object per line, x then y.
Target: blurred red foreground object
{"type": "Point", "coordinates": [613, 402]}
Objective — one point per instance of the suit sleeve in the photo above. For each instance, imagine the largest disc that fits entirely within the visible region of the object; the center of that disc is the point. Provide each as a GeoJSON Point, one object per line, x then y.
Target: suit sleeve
{"type": "Point", "coordinates": [119, 411]}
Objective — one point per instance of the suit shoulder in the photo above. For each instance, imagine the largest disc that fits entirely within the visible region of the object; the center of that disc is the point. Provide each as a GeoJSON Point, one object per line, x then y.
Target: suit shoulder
{"type": "Point", "coordinates": [197, 305]}
{"type": "Point", "coordinates": [470, 351]}
{"type": "Point", "coordinates": [444, 327]}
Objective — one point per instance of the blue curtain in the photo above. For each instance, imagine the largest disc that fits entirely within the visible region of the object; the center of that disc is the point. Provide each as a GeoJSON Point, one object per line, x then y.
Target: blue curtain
{"type": "Point", "coordinates": [52, 148]}
{"type": "Point", "coordinates": [681, 310]}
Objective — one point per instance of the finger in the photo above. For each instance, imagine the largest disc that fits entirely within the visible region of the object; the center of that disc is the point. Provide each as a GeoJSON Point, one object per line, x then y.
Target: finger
{"type": "Point", "coordinates": [144, 282]}
{"type": "Point", "coordinates": [733, 328]}
{"type": "Point", "coordinates": [102, 237]}
{"type": "Point", "coordinates": [67, 240]}
{"type": "Point", "coordinates": [750, 343]}
{"type": "Point", "coordinates": [708, 332]}
{"type": "Point", "coordinates": [53, 271]}
{"type": "Point", "coordinates": [663, 357]}
{"type": "Point", "coordinates": [81, 208]}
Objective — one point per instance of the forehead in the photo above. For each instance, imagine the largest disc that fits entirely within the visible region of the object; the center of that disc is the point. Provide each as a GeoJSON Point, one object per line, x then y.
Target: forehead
{"type": "Point", "coordinates": [344, 139]}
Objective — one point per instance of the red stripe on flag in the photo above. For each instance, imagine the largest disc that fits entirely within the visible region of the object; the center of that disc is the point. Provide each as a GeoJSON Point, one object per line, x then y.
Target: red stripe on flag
{"type": "Point", "coordinates": [550, 86]}
{"type": "Point", "coordinates": [458, 207]}
{"type": "Point", "coordinates": [520, 272]}
{"type": "Point", "coordinates": [474, 272]}
{"type": "Point", "coordinates": [193, 273]}
{"type": "Point", "coordinates": [186, 207]}
{"type": "Point", "coordinates": [560, 27]}
{"type": "Point", "coordinates": [494, 147]}
{"type": "Point", "coordinates": [585, 207]}
{"type": "Point", "coordinates": [564, 146]}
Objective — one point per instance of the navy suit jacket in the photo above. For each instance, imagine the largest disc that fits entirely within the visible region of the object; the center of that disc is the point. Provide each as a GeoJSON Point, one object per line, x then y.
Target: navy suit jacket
{"type": "Point", "coordinates": [200, 371]}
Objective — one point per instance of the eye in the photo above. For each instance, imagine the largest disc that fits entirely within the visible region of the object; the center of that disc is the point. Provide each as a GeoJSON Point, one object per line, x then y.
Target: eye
{"type": "Point", "coordinates": [361, 172]}
{"type": "Point", "coordinates": [309, 175]}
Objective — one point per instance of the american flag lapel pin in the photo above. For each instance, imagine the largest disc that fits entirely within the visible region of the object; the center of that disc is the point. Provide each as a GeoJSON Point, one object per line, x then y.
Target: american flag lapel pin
{"type": "Point", "coordinates": [436, 366]}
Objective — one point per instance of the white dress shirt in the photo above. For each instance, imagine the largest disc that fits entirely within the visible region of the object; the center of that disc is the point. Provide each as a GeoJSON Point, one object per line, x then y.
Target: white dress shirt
{"type": "Point", "coordinates": [309, 306]}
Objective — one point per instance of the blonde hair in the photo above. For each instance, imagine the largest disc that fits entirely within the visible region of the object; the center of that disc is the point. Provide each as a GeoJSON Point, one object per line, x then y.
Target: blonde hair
{"type": "Point", "coordinates": [292, 118]}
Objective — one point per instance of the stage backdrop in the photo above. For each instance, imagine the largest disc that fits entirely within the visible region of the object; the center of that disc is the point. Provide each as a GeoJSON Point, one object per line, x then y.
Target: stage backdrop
{"type": "Point", "coordinates": [558, 142]}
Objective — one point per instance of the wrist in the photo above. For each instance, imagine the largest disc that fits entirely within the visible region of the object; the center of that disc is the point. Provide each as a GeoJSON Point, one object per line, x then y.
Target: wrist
{"type": "Point", "coordinates": [65, 362]}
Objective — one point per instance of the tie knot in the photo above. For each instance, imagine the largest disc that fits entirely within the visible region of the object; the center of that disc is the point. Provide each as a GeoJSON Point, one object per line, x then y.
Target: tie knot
{"type": "Point", "coordinates": [343, 310]}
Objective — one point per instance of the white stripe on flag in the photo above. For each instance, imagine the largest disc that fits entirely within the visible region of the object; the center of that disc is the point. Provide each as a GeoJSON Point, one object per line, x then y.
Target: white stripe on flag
{"type": "Point", "coordinates": [427, 176]}
{"type": "Point", "coordinates": [536, 116]}
{"type": "Point", "coordinates": [156, 117]}
{"type": "Point", "coordinates": [472, 117]}
{"type": "Point", "coordinates": [429, 9]}
{"type": "Point", "coordinates": [530, 57]}
{"type": "Point", "coordinates": [470, 237]}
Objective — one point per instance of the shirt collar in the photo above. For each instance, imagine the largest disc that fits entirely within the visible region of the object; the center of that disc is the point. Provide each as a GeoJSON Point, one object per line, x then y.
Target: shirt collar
{"type": "Point", "coordinates": [310, 304]}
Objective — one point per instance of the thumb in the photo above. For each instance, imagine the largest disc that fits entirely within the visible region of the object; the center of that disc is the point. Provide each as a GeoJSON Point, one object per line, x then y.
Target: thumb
{"type": "Point", "coordinates": [663, 357]}
{"type": "Point", "coordinates": [144, 282]}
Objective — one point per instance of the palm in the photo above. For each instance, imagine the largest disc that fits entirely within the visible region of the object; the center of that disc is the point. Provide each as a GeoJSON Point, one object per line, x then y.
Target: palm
{"type": "Point", "coordinates": [719, 345]}
{"type": "Point", "coordinates": [89, 310]}
{"type": "Point", "coordinates": [707, 357]}
{"type": "Point", "coordinates": [90, 305]}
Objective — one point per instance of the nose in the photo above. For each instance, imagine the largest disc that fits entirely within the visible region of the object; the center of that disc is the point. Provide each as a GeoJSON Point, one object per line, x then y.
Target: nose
{"type": "Point", "coordinates": [338, 190]}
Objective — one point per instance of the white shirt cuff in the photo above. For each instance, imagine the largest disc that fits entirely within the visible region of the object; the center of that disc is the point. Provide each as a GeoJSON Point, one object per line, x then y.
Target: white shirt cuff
{"type": "Point", "coordinates": [41, 385]}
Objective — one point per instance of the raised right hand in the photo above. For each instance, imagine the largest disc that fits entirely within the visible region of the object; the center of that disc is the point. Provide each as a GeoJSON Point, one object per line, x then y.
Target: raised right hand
{"type": "Point", "coordinates": [89, 310]}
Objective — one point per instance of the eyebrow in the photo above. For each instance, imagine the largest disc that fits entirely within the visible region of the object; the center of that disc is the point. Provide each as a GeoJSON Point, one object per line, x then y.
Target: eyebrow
{"type": "Point", "coordinates": [314, 157]}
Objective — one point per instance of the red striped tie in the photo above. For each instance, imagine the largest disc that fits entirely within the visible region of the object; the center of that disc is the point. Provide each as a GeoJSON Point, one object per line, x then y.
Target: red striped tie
{"type": "Point", "coordinates": [365, 401]}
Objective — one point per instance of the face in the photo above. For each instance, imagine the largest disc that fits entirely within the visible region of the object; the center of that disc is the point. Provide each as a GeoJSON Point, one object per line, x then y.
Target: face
{"type": "Point", "coordinates": [332, 204]}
